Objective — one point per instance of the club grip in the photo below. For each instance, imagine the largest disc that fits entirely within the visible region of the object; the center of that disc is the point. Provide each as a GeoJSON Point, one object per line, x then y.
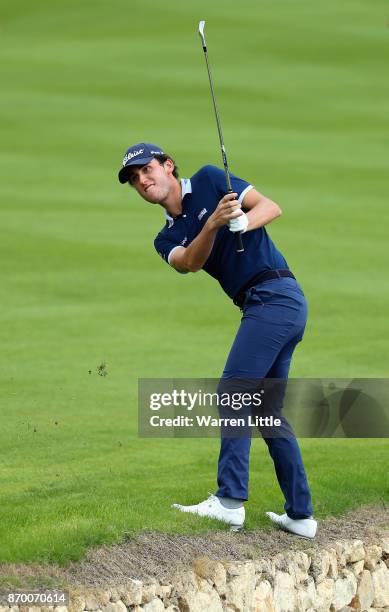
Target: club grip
{"type": "Point", "coordinates": [238, 236]}
{"type": "Point", "coordinates": [239, 242]}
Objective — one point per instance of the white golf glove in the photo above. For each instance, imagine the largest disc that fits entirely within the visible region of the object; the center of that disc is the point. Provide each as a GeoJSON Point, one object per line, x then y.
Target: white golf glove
{"type": "Point", "coordinates": [239, 224]}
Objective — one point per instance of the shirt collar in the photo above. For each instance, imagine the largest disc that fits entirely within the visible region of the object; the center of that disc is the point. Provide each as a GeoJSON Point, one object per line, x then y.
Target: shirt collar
{"type": "Point", "coordinates": [186, 187]}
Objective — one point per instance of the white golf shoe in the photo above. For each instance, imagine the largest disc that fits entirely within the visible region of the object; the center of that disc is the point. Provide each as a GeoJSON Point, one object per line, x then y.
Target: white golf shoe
{"type": "Point", "coordinates": [306, 528]}
{"type": "Point", "coordinates": [212, 508]}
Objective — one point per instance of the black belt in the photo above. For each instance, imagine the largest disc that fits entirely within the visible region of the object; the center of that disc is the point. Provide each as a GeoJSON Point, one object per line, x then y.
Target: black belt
{"type": "Point", "coordinates": [240, 297]}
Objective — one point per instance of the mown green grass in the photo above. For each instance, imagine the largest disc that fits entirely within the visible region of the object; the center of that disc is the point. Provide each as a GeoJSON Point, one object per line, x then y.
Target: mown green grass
{"type": "Point", "coordinates": [303, 94]}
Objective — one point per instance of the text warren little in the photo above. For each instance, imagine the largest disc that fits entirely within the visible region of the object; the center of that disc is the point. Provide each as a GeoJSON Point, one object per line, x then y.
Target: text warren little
{"type": "Point", "coordinates": [208, 421]}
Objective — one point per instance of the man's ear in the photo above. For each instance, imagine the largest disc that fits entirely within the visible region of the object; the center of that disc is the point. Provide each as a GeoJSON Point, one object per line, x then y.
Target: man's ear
{"type": "Point", "coordinates": [169, 166]}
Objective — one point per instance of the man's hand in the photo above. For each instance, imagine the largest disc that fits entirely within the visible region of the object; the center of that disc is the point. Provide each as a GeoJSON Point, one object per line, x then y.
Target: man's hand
{"type": "Point", "coordinates": [239, 224]}
{"type": "Point", "coordinates": [227, 209]}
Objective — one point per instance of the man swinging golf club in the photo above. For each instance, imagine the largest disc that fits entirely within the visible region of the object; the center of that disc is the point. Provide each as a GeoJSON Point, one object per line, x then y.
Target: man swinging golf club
{"type": "Point", "coordinates": [201, 222]}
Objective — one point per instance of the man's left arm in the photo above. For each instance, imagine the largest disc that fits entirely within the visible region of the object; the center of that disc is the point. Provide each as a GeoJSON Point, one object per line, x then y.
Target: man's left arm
{"type": "Point", "coordinates": [260, 210]}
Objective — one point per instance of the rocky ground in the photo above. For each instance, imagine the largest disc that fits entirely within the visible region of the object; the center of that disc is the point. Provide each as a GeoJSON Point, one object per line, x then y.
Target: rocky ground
{"type": "Point", "coordinates": [157, 556]}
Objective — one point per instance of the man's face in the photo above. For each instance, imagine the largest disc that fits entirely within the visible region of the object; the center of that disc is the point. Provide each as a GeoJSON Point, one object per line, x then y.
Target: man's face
{"type": "Point", "coordinates": [153, 181]}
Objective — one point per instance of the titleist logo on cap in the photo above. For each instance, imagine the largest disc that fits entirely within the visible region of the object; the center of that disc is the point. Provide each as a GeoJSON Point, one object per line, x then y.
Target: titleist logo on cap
{"type": "Point", "coordinates": [129, 156]}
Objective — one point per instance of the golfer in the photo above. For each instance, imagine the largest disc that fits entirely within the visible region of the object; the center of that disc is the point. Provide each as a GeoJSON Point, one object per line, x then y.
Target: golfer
{"type": "Point", "coordinates": [199, 235]}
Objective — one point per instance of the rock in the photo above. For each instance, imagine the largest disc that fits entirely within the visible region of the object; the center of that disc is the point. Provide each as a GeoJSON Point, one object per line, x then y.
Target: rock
{"type": "Point", "coordinates": [373, 554]}
{"type": "Point", "coordinates": [355, 604]}
{"type": "Point", "coordinates": [281, 562]}
{"type": "Point", "coordinates": [239, 593]}
{"type": "Point", "coordinates": [357, 567]}
{"type": "Point", "coordinates": [306, 594]}
{"type": "Point", "coordinates": [131, 592]}
{"type": "Point", "coordinates": [380, 578]}
{"type": "Point", "coordinates": [344, 590]}
{"type": "Point", "coordinates": [354, 551]}
{"type": "Point", "coordinates": [333, 564]}
{"type": "Point", "coordinates": [117, 606]}
{"type": "Point", "coordinates": [164, 590]}
{"type": "Point", "coordinates": [76, 603]}
{"type": "Point", "coordinates": [155, 605]}
{"type": "Point", "coordinates": [91, 601]}
{"type": "Point", "coordinates": [213, 571]}
{"type": "Point", "coordinates": [263, 597]}
{"type": "Point", "coordinates": [264, 570]}
{"type": "Point", "coordinates": [340, 554]}
{"type": "Point", "coordinates": [115, 596]}
{"type": "Point", "coordinates": [148, 593]}
{"type": "Point", "coordinates": [324, 594]}
{"type": "Point", "coordinates": [99, 597]}
{"type": "Point", "coordinates": [320, 566]}
{"type": "Point", "coordinates": [185, 582]}
{"type": "Point", "coordinates": [385, 545]}
{"type": "Point", "coordinates": [193, 601]}
{"type": "Point", "coordinates": [303, 560]}
{"type": "Point", "coordinates": [195, 594]}
{"type": "Point", "coordinates": [103, 597]}
{"type": "Point", "coordinates": [365, 590]}
{"type": "Point", "coordinates": [294, 563]}
{"type": "Point", "coordinates": [284, 592]}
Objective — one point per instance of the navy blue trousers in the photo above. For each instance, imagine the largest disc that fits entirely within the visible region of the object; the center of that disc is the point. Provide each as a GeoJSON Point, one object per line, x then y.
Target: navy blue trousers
{"type": "Point", "coordinates": [273, 322]}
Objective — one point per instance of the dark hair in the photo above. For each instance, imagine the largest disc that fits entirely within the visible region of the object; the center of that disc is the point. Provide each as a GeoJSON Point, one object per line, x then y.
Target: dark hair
{"type": "Point", "coordinates": [163, 158]}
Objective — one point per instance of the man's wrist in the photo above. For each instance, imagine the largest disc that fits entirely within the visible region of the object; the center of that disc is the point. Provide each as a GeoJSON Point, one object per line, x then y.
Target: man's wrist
{"type": "Point", "coordinates": [210, 225]}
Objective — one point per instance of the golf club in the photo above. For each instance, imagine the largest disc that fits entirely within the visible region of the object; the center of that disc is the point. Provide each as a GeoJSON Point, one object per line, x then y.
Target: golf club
{"type": "Point", "coordinates": [238, 236]}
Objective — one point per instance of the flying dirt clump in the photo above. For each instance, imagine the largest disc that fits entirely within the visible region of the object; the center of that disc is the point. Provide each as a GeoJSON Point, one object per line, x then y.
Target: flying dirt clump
{"type": "Point", "coordinates": [102, 369]}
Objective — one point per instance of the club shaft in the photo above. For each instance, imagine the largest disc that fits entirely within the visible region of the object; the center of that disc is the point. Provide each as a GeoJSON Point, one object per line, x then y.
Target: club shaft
{"type": "Point", "coordinates": [219, 128]}
{"type": "Point", "coordinates": [238, 236]}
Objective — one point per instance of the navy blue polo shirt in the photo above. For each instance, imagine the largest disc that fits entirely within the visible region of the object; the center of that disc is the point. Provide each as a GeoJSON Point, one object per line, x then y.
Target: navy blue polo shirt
{"type": "Point", "coordinates": [201, 195]}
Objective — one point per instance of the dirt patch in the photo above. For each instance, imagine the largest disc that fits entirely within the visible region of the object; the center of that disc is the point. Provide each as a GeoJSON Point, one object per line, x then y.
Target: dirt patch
{"type": "Point", "coordinates": [151, 556]}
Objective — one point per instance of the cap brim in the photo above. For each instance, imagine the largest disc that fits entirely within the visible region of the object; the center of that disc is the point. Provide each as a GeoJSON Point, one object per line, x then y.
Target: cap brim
{"type": "Point", "coordinates": [125, 171]}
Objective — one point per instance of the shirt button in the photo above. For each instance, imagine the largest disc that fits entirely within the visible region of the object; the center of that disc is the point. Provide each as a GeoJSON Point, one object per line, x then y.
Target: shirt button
{"type": "Point", "coordinates": [184, 215]}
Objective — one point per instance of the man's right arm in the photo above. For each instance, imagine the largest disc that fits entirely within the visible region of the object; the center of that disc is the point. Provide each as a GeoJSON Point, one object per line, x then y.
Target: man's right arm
{"type": "Point", "coordinates": [193, 257]}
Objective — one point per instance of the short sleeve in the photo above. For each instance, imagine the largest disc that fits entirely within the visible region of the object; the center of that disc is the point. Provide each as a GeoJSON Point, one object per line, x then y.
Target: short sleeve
{"type": "Point", "coordinates": [165, 248]}
{"type": "Point", "coordinates": [218, 177]}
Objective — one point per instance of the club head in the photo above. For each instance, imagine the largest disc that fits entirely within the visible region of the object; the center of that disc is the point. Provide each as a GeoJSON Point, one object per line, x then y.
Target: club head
{"type": "Point", "coordinates": [201, 32]}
